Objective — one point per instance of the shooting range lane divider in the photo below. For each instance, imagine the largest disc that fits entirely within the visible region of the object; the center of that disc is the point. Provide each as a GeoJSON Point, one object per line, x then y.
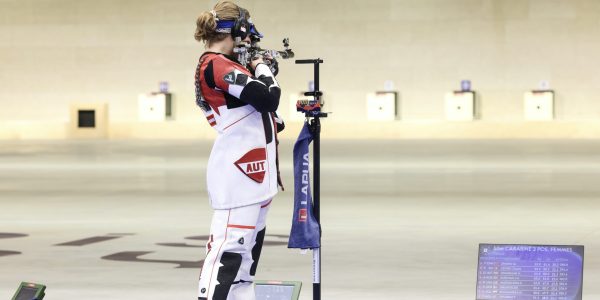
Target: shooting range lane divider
{"type": "Point", "coordinates": [8, 235]}
{"type": "Point", "coordinates": [7, 253]}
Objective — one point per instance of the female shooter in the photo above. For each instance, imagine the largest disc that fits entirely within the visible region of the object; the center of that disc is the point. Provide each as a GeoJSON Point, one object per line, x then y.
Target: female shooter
{"type": "Point", "coordinates": [239, 102]}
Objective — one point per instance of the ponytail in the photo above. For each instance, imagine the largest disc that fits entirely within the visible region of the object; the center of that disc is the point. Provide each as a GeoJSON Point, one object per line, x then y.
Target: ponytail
{"type": "Point", "coordinates": [206, 24]}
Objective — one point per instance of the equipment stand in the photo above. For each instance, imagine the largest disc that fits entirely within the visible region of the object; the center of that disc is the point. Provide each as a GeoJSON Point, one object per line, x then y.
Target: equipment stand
{"type": "Point", "coordinates": [315, 128]}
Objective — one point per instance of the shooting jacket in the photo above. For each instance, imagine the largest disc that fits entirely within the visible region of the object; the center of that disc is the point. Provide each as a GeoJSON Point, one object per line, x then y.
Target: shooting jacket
{"type": "Point", "coordinates": [243, 164]}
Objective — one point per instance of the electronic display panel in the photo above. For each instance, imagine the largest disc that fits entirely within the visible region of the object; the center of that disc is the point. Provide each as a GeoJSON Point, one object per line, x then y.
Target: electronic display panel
{"type": "Point", "coordinates": [277, 290]}
{"type": "Point", "coordinates": [529, 272]}
{"type": "Point", "coordinates": [27, 293]}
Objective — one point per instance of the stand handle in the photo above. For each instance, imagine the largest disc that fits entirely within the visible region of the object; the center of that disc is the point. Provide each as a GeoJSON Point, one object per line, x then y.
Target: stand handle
{"type": "Point", "coordinates": [309, 61]}
{"type": "Point", "coordinates": [314, 94]}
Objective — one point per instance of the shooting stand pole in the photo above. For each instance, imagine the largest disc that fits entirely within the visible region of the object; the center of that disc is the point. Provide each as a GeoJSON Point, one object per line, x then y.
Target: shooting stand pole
{"type": "Point", "coordinates": [315, 129]}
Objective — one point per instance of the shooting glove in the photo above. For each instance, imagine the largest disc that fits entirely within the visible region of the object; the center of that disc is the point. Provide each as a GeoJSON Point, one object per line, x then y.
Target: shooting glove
{"type": "Point", "coordinates": [274, 66]}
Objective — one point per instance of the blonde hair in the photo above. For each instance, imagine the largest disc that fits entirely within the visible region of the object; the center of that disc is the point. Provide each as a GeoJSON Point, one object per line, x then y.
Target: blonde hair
{"type": "Point", "coordinates": [206, 24]}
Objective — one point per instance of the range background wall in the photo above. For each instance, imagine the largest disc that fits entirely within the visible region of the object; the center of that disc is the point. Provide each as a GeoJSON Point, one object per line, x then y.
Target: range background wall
{"type": "Point", "coordinates": [55, 52]}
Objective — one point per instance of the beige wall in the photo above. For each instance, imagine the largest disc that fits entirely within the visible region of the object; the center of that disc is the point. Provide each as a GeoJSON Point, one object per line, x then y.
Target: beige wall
{"type": "Point", "coordinates": [55, 52]}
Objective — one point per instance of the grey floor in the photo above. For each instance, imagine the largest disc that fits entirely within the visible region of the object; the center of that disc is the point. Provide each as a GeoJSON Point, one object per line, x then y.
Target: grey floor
{"type": "Point", "coordinates": [401, 219]}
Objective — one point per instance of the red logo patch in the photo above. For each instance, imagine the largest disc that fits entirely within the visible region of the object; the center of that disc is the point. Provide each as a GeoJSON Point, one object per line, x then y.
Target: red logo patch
{"type": "Point", "coordinates": [303, 215]}
{"type": "Point", "coordinates": [254, 164]}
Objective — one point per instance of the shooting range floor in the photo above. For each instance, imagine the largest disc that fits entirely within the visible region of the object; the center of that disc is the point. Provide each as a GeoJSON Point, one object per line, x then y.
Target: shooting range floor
{"type": "Point", "coordinates": [401, 219]}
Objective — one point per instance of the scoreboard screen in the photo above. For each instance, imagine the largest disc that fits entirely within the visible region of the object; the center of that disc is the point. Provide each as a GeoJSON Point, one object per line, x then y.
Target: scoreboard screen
{"type": "Point", "coordinates": [532, 272]}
